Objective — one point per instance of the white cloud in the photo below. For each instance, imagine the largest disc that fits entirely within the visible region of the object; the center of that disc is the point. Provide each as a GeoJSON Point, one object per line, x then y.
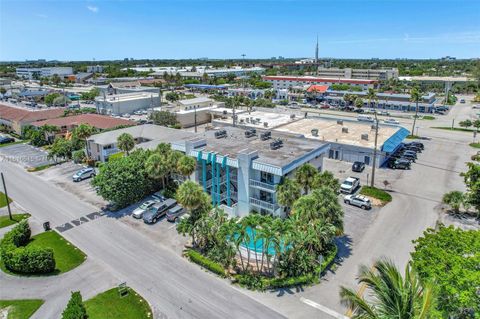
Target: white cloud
{"type": "Point", "coordinates": [93, 9]}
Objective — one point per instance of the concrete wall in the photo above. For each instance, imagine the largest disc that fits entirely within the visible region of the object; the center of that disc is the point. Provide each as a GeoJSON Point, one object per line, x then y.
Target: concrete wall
{"type": "Point", "coordinates": [187, 119]}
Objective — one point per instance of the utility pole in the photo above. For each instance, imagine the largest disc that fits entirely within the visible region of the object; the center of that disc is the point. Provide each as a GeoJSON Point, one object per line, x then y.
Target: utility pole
{"type": "Point", "coordinates": [6, 197]}
{"type": "Point", "coordinates": [374, 163]}
{"type": "Point", "coordinates": [195, 117]}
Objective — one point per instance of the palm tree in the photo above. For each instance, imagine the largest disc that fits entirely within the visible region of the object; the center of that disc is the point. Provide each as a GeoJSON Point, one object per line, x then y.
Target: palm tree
{"type": "Point", "coordinates": [326, 179]}
{"type": "Point", "coordinates": [327, 207]}
{"type": "Point", "coordinates": [305, 175]}
{"type": "Point", "coordinates": [125, 142]}
{"type": "Point", "coordinates": [189, 195]}
{"type": "Point", "coordinates": [287, 193]}
{"type": "Point", "coordinates": [186, 165]}
{"type": "Point", "coordinates": [358, 102]}
{"type": "Point", "coordinates": [393, 296]}
{"type": "Point", "coordinates": [156, 167]}
{"type": "Point", "coordinates": [454, 199]}
{"type": "Point", "coordinates": [415, 96]}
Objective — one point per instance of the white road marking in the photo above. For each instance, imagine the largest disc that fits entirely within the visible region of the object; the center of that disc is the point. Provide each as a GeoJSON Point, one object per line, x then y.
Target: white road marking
{"type": "Point", "coordinates": [324, 309]}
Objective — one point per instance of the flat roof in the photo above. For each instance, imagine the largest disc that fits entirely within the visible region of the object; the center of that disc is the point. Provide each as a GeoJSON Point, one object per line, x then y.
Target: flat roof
{"type": "Point", "coordinates": [236, 142]}
{"type": "Point", "coordinates": [272, 119]}
{"type": "Point", "coordinates": [196, 100]}
{"type": "Point", "coordinates": [126, 97]}
{"type": "Point", "coordinates": [316, 79]}
{"type": "Point", "coordinates": [95, 120]}
{"type": "Point", "coordinates": [330, 131]}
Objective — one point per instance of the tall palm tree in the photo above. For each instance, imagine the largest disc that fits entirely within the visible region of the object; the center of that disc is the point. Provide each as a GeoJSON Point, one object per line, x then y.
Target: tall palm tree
{"type": "Point", "coordinates": [125, 142]}
{"type": "Point", "coordinates": [186, 165]}
{"type": "Point", "coordinates": [305, 175]}
{"type": "Point", "coordinates": [393, 296]}
{"type": "Point", "coordinates": [287, 193]}
{"type": "Point", "coordinates": [189, 195]}
{"type": "Point", "coordinates": [156, 167]}
{"type": "Point", "coordinates": [415, 96]}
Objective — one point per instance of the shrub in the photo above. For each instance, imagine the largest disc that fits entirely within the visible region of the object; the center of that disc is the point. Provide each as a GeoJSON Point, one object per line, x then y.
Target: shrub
{"type": "Point", "coordinates": [79, 156]}
{"type": "Point", "coordinates": [250, 281]}
{"type": "Point", "coordinates": [75, 308]}
{"type": "Point", "coordinates": [203, 261]}
{"type": "Point", "coordinates": [18, 258]}
{"type": "Point", "coordinates": [376, 193]}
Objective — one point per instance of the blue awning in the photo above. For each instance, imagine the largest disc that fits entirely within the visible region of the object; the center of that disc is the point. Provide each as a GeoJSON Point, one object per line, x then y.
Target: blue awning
{"type": "Point", "coordinates": [394, 141]}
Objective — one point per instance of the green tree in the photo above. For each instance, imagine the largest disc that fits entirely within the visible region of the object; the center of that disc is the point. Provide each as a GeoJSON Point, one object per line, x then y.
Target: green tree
{"type": "Point", "coordinates": [186, 165]}
{"type": "Point", "coordinates": [449, 257]}
{"type": "Point", "coordinates": [125, 142]}
{"type": "Point", "coordinates": [359, 103]}
{"type": "Point", "coordinates": [288, 191]}
{"type": "Point", "coordinates": [472, 181]}
{"type": "Point", "coordinates": [455, 200]}
{"type": "Point", "coordinates": [466, 123]}
{"type": "Point", "coordinates": [394, 296]}
{"type": "Point", "coordinates": [75, 308]}
{"type": "Point", "coordinates": [83, 132]}
{"type": "Point", "coordinates": [326, 179]}
{"type": "Point", "coordinates": [61, 148]}
{"type": "Point", "coordinates": [164, 118]}
{"type": "Point", "coordinates": [172, 96]}
{"type": "Point", "coordinates": [415, 96]}
{"type": "Point", "coordinates": [125, 180]}
{"type": "Point", "coordinates": [3, 90]}
{"type": "Point", "coordinates": [305, 175]}
{"type": "Point", "coordinates": [49, 98]}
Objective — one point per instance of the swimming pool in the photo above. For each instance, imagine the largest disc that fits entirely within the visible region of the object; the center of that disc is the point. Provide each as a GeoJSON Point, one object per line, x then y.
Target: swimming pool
{"type": "Point", "coordinates": [257, 245]}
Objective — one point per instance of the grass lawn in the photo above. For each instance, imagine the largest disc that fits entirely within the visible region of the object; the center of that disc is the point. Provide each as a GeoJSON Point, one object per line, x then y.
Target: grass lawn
{"type": "Point", "coordinates": [13, 143]}
{"type": "Point", "coordinates": [109, 304]}
{"type": "Point", "coordinates": [458, 129]}
{"type": "Point", "coordinates": [66, 255]}
{"type": "Point", "coordinates": [39, 168]}
{"type": "Point", "coordinates": [428, 117]}
{"type": "Point", "coordinates": [475, 145]}
{"type": "Point", "coordinates": [6, 221]}
{"type": "Point", "coordinates": [413, 137]}
{"type": "Point", "coordinates": [3, 200]}
{"type": "Point", "coordinates": [21, 309]}
{"type": "Point", "coordinates": [376, 193]}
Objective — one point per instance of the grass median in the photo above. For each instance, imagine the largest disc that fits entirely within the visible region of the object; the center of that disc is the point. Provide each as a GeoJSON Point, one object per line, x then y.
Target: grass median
{"type": "Point", "coordinates": [110, 304]}
{"type": "Point", "coordinates": [20, 308]}
{"type": "Point", "coordinates": [6, 221]}
{"type": "Point", "coordinates": [475, 145]}
{"type": "Point", "coordinates": [376, 193]}
{"type": "Point", "coordinates": [3, 200]}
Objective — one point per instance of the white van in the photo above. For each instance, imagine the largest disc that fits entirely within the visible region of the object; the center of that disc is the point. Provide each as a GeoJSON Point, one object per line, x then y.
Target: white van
{"type": "Point", "coordinates": [365, 118]}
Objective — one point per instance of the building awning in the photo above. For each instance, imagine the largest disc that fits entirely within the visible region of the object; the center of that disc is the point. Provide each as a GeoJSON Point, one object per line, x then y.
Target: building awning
{"type": "Point", "coordinates": [317, 89]}
{"type": "Point", "coordinates": [394, 141]}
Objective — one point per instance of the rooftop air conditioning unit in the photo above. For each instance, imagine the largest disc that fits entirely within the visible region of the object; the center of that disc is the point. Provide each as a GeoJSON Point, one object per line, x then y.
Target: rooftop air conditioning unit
{"type": "Point", "coordinates": [247, 119]}
{"type": "Point", "coordinates": [364, 137]}
{"type": "Point", "coordinates": [225, 112]}
{"type": "Point", "coordinates": [242, 121]}
{"type": "Point", "coordinates": [314, 132]}
{"type": "Point", "coordinates": [250, 133]}
{"type": "Point", "coordinates": [276, 144]}
{"type": "Point", "coordinates": [265, 124]}
{"type": "Point", "coordinates": [340, 122]}
{"type": "Point", "coordinates": [266, 136]}
{"type": "Point", "coordinates": [292, 116]}
{"type": "Point", "coordinates": [373, 127]}
{"type": "Point", "coordinates": [344, 129]}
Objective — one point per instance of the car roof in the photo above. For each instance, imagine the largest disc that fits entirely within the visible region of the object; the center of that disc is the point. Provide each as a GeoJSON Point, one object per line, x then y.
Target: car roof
{"type": "Point", "coordinates": [362, 197]}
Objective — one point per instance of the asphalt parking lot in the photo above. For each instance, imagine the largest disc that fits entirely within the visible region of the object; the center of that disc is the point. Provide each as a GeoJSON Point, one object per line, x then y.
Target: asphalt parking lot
{"type": "Point", "coordinates": [61, 176]}
{"type": "Point", "coordinates": [26, 155]}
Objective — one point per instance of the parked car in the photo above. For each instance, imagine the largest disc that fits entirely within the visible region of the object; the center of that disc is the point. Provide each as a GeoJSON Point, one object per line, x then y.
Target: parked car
{"type": "Point", "coordinates": [83, 174]}
{"type": "Point", "coordinates": [365, 118]}
{"type": "Point", "coordinates": [174, 213]}
{"type": "Point", "coordinates": [400, 163]}
{"type": "Point", "coordinates": [391, 121]}
{"type": "Point", "coordinates": [418, 144]}
{"type": "Point", "coordinates": [358, 200]}
{"type": "Point", "coordinates": [140, 210]}
{"type": "Point", "coordinates": [409, 157]}
{"type": "Point", "coordinates": [409, 152]}
{"type": "Point", "coordinates": [462, 101]}
{"type": "Point", "coordinates": [413, 148]}
{"type": "Point", "coordinates": [350, 185]}
{"type": "Point", "coordinates": [6, 139]}
{"type": "Point", "coordinates": [158, 196]}
{"type": "Point", "coordinates": [358, 166]}
{"type": "Point", "coordinates": [158, 210]}
{"type": "Point", "coordinates": [476, 106]}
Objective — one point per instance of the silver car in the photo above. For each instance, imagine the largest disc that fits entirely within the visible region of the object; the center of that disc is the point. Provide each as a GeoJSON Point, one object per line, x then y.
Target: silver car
{"type": "Point", "coordinates": [138, 212]}
{"type": "Point", "coordinates": [358, 200]}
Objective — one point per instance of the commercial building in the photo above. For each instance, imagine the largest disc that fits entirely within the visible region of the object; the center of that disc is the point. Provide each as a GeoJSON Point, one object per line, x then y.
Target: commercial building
{"type": "Point", "coordinates": [15, 118]}
{"type": "Point", "coordinates": [193, 111]}
{"type": "Point", "coordinates": [386, 101]}
{"type": "Point", "coordinates": [36, 73]}
{"type": "Point", "coordinates": [126, 103]}
{"type": "Point", "coordinates": [95, 69]}
{"type": "Point", "coordinates": [367, 74]}
{"type": "Point", "coordinates": [239, 172]}
{"type": "Point", "coordinates": [285, 82]}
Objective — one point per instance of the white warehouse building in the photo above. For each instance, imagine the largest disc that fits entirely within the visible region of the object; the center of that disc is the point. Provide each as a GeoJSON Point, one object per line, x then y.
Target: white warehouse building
{"type": "Point", "coordinates": [31, 73]}
{"type": "Point", "coordinates": [126, 103]}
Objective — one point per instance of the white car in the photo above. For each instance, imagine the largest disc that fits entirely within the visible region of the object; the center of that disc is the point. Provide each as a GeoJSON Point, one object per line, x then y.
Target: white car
{"type": "Point", "coordinates": [138, 212]}
{"type": "Point", "coordinates": [391, 121]}
{"type": "Point", "coordinates": [358, 200]}
{"type": "Point", "coordinates": [349, 185]}
{"type": "Point", "coordinates": [476, 106]}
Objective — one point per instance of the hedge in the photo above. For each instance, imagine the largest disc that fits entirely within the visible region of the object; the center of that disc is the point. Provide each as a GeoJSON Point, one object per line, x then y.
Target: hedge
{"type": "Point", "coordinates": [18, 258]}
{"type": "Point", "coordinates": [376, 193]}
{"type": "Point", "coordinates": [203, 261]}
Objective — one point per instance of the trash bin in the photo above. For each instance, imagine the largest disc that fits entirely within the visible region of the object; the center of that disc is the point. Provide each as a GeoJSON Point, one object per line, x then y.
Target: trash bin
{"type": "Point", "coordinates": [46, 226]}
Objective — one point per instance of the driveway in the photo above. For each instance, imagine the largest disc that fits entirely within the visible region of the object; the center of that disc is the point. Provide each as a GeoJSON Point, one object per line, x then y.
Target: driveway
{"type": "Point", "coordinates": [26, 155]}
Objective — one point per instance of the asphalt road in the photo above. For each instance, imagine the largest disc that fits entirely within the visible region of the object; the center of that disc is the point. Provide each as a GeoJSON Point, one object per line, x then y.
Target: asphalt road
{"type": "Point", "coordinates": [174, 287]}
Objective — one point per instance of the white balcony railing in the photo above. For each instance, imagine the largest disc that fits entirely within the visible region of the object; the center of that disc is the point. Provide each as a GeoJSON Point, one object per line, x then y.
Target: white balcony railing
{"type": "Point", "coordinates": [263, 204]}
{"type": "Point", "coordinates": [262, 185]}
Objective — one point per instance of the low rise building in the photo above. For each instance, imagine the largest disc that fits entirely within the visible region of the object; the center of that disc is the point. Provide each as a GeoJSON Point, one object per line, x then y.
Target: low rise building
{"type": "Point", "coordinates": [367, 74]}
{"type": "Point", "coordinates": [15, 118]}
{"type": "Point", "coordinates": [239, 172]}
{"type": "Point", "coordinates": [95, 68]}
{"type": "Point", "coordinates": [34, 73]}
{"type": "Point", "coordinates": [286, 82]}
{"type": "Point", "coordinates": [126, 103]}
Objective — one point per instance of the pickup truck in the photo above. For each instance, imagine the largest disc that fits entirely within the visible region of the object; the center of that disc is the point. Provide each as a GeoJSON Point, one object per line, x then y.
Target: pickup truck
{"type": "Point", "coordinates": [350, 185]}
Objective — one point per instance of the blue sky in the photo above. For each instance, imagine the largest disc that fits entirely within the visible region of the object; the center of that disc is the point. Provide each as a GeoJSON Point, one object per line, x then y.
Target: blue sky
{"type": "Point", "coordinates": [83, 30]}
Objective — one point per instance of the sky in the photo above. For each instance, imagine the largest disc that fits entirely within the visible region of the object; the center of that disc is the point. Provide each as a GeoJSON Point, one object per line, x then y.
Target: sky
{"type": "Point", "coordinates": [116, 29]}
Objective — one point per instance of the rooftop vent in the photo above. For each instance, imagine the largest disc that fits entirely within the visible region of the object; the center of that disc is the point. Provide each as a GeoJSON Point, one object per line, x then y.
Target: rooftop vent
{"type": "Point", "coordinates": [266, 136]}
{"type": "Point", "coordinates": [221, 134]}
{"type": "Point", "coordinates": [265, 124]}
{"type": "Point", "coordinates": [250, 132]}
{"type": "Point", "coordinates": [225, 112]}
{"type": "Point", "coordinates": [364, 137]}
{"type": "Point", "coordinates": [344, 129]}
{"type": "Point", "coordinates": [247, 119]}
{"type": "Point", "coordinates": [276, 144]}
{"type": "Point", "coordinates": [340, 122]}
{"type": "Point", "coordinates": [242, 121]}
{"type": "Point", "coordinates": [292, 116]}
{"type": "Point", "coordinates": [314, 132]}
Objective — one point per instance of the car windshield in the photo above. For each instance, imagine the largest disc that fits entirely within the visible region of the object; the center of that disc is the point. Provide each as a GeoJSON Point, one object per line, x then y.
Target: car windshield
{"type": "Point", "coordinates": [347, 183]}
{"type": "Point", "coordinates": [145, 205]}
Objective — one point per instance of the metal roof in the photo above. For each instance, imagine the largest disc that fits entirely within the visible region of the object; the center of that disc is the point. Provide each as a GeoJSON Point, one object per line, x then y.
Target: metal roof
{"type": "Point", "coordinates": [394, 141]}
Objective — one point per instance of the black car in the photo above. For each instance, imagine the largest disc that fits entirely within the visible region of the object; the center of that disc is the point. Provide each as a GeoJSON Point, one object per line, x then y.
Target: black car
{"type": "Point", "coordinates": [401, 163]}
{"type": "Point", "coordinates": [358, 166]}
{"type": "Point", "coordinates": [417, 144]}
{"type": "Point", "coordinates": [6, 140]}
{"type": "Point", "coordinates": [409, 157]}
{"type": "Point", "coordinates": [414, 148]}
{"type": "Point", "coordinates": [158, 210]}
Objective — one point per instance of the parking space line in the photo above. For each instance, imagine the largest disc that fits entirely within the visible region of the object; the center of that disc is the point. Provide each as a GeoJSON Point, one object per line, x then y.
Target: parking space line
{"type": "Point", "coordinates": [324, 309]}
